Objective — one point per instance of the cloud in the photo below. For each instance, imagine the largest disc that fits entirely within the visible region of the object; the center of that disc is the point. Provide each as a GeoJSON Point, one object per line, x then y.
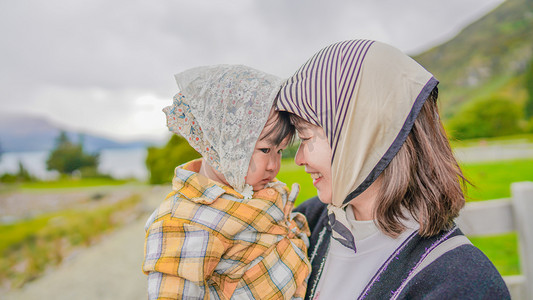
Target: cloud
{"type": "Point", "coordinates": [130, 113]}
{"type": "Point", "coordinates": [79, 61]}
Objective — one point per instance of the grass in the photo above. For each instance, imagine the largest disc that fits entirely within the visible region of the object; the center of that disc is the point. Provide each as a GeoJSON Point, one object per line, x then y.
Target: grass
{"type": "Point", "coordinates": [291, 173]}
{"type": "Point", "coordinates": [492, 181]}
{"type": "Point", "coordinates": [71, 183]}
{"type": "Point", "coordinates": [502, 250]}
{"type": "Point", "coordinates": [503, 140]}
{"type": "Point", "coordinates": [28, 247]}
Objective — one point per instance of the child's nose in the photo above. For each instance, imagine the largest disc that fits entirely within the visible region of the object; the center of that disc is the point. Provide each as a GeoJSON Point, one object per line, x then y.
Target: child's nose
{"type": "Point", "coordinates": [273, 162]}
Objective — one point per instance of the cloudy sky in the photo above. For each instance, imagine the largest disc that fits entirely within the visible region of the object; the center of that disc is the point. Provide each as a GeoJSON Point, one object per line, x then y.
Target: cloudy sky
{"type": "Point", "coordinates": [106, 67]}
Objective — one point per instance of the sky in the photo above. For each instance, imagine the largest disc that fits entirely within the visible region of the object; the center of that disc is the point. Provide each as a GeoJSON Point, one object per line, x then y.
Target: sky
{"type": "Point", "coordinates": [106, 67]}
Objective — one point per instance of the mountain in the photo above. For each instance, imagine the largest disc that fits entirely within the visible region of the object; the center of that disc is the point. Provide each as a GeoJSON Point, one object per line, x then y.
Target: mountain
{"type": "Point", "coordinates": [487, 58]}
{"type": "Point", "coordinates": [20, 133]}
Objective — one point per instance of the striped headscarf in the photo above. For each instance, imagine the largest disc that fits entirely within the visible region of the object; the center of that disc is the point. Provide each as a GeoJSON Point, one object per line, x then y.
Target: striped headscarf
{"type": "Point", "coordinates": [366, 96]}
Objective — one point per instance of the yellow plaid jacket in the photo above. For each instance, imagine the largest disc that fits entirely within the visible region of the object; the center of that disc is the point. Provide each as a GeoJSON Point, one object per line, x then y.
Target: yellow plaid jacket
{"type": "Point", "coordinates": [205, 241]}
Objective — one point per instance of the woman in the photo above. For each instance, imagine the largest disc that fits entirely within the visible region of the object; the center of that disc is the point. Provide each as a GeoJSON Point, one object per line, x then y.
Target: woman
{"type": "Point", "coordinates": [388, 184]}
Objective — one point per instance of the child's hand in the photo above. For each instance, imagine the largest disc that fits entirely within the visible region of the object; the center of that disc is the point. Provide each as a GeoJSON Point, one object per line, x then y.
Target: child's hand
{"type": "Point", "coordinates": [289, 205]}
{"type": "Point", "coordinates": [295, 190]}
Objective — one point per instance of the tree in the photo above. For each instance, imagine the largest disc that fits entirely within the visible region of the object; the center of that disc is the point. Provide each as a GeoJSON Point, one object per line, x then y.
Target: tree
{"type": "Point", "coordinates": [161, 162]}
{"type": "Point", "coordinates": [486, 118]}
{"type": "Point", "coordinates": [528, 108]}
{"type": "Point", "coordinates": [68, 157]}
{"type": "Point", "coordinates": [23, 174]}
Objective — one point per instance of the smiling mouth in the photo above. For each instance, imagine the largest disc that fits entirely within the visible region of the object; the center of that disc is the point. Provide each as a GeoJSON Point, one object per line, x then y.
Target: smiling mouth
{"type": "Point", "coordinates": [315, 176]}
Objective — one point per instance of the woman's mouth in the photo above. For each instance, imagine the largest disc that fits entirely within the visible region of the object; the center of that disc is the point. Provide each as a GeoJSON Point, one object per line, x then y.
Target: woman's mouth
{"type": "Point", "coordinates": [316, 177]}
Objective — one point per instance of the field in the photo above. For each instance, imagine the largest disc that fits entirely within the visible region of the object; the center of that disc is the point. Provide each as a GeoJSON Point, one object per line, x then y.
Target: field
{"type": "Point", "coordinates": [491, 181]}
{"type": "Point", "coordinates": [71, 183]}
{"type": "Point", "coordinates": [31, 244]}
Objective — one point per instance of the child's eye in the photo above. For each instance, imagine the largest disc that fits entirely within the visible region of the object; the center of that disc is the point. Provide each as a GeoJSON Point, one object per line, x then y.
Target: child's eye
{"type": "Point", "coordinates": [264, 150]}
{"type": "Point", "coordinates": [304, 138]}
{"type": "Point", "coordinates": [280, 151]}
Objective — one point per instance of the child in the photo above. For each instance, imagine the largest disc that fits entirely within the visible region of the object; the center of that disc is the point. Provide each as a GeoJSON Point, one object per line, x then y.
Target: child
{"type": "Point", "coordinates": [227, 229]}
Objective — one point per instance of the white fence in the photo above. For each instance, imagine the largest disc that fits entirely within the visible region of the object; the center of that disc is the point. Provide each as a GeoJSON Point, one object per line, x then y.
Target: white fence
{"type": "Point", "coordinates": [504, 216]}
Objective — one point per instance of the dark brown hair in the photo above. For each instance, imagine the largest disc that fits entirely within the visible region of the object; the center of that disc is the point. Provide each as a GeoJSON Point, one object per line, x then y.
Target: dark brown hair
{"type": "Point", "coordinates": [423, 179]}
{"type": "Point", "coordinates": [283, 128]}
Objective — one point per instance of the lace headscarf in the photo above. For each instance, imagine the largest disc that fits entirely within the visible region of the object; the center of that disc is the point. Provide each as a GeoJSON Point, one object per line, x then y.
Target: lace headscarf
{"type": "Point", "coordinates": [366, 96]}
{"type": "Point", "coordinates": [221, 112]}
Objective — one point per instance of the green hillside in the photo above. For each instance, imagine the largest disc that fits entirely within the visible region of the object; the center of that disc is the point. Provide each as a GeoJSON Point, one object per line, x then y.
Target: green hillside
{"type": "Point", "coordinates": [486, 59]}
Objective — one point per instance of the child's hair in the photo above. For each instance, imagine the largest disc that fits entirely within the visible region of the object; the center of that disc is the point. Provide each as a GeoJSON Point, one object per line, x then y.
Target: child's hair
{"type": "Point", "coordinates": [282, 130]}
{"type": "Point", "coordinates": [423, 177]}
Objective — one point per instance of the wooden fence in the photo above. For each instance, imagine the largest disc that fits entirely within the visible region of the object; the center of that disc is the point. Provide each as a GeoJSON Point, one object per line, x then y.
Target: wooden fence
{"type": "Point", "coordinates": [504, 216]}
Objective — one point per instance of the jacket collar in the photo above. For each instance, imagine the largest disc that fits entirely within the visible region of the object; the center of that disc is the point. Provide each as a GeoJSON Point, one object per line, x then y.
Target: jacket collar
{"type": "Point", "coordinates": [196, 187]}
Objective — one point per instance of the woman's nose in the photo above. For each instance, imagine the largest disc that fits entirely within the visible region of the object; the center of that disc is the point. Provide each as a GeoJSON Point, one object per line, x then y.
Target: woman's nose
{"type": "Point", "coordinates": [299, 159]}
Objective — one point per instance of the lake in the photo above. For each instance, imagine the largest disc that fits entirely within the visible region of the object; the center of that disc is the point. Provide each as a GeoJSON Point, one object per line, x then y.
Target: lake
{"type": "Point", "coordinates": [119, 163]}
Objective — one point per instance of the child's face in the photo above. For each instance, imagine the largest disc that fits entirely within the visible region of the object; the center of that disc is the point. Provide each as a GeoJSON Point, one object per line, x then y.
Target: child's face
{"type": "Point", "coordinates": [266, 160]}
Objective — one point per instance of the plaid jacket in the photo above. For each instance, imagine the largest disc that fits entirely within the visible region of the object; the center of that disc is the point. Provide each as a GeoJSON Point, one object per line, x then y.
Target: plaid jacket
{"type": "Point", "coordinates": [206, 242]}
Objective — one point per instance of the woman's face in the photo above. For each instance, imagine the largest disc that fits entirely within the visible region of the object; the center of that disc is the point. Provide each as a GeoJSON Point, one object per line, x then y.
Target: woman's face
{"type": "Point", "coordinates": [315, 154]}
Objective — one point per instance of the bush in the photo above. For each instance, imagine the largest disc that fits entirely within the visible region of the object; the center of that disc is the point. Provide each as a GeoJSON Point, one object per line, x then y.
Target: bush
{"type": "Point", "coordinates": [529, 126]}
{"type": "Point", "coordinates": [528, 82]}
{"type": "Point", "coordinates": [23, 175]}
{"type": "Point", "coordinates": [68, 157]}
{"type": "Point", "coordinates": [92, 172]}
{"type": "Point", "coordinates": [161, 162]}
{"type": "Point", "coordinates": [290, 152]}
{"type": "Point", "coordinates": [486, 118]}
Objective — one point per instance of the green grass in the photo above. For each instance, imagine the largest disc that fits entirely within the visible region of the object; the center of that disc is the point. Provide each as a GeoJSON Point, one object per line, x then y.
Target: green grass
{"type": "Point", "coordinates": [503, 140]}
{"type": "Point", "coordinates": [492, 180]}
{"type": "Point", "coordinates": [502, 250]}
{"type": "Point", "coordinates": [291, 173]}
{"type": "Point", "coordinates": [28, 247]}
{"type": "Point", "coordinates": [71, 183]}
{"type": "Point", "coordinates": [31, 245]}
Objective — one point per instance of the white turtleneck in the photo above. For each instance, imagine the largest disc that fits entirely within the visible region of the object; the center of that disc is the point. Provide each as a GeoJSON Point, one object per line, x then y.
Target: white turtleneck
{"type": "Point", "coordinates": [346, 273]}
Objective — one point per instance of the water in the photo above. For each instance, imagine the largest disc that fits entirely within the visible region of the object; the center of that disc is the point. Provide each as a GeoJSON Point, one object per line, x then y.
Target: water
{"type": "Point", "coordinates": [124, 163]}
{"type": "Point", "coordinates": [119, 163]}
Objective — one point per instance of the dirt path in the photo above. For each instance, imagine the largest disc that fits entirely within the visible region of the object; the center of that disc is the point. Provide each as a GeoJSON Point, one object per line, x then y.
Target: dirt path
{"type": "Point", "coordinates": [110, 269]}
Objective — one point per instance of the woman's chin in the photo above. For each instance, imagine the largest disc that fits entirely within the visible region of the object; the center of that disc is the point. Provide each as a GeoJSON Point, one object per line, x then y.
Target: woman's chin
{"type": "Point", "coordinates": [324, 197]}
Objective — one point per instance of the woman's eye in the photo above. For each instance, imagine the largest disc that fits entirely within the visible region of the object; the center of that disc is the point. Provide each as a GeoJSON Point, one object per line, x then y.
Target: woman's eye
{"type": "Point", "coordinates": [280, 151]}
{"type": "Point", "coordinates": [304, 138]}
{"type": "Point", "coordinates": [264, 150]}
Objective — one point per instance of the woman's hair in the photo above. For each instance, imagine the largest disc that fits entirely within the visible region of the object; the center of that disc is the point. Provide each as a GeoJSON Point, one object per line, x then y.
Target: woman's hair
{"type": "Point", "coordinates": [423, 179]}
{"type": "Point", "coordinates": [283, 128]}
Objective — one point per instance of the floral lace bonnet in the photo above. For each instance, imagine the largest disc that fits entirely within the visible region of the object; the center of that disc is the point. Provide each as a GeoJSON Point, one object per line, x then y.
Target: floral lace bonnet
{"type": "Point", "coordinates": [221, 112]}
